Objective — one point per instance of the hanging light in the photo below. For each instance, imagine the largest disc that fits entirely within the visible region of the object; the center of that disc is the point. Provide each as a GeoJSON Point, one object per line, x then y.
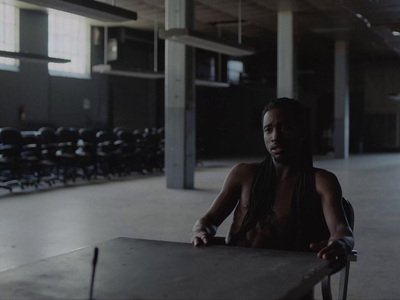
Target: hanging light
{"type": "Point", "coordinates": [25, 56]}
{"type": "Point", "coordinates": [89, 8]}
{"type": "Point", "coordinates": [194, 39]}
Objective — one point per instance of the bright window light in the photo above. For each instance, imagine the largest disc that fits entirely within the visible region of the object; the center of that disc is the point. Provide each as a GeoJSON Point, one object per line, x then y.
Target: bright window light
{"type": "Point", "coordinates": [235, 67]}
{"type": "Point", "coordinates": [69, 38]}
{"type": "Point", "coordinates": [9, 35]}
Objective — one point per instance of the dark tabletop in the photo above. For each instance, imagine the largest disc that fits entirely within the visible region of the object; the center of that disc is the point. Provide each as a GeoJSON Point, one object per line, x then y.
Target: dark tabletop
{"type": "Point", "coordinates": [145, 269]}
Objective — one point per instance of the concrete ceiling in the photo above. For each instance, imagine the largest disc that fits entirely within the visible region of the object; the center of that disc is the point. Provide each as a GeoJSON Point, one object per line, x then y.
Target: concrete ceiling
{"type": "Point", "coordinates": [367, 24]}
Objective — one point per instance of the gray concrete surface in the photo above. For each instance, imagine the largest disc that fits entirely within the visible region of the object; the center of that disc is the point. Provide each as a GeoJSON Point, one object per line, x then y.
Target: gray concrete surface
{"type": "Point", "coordinates": [36, 224]}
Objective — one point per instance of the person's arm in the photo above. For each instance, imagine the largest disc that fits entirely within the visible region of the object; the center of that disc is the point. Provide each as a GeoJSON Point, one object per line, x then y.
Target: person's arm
{"type": "Point", "coordinates": [206, 227]}
{"type": "Point", "coordinates": [341, 240]}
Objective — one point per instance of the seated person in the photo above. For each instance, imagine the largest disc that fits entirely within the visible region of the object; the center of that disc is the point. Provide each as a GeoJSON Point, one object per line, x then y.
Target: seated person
{"type": "Point", "coordinates": [282, 202]}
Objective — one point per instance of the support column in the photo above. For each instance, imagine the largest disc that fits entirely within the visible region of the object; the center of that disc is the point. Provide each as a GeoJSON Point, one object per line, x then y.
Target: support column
{"type": "Point", "coordinates": [180, 130]}
{"type": "Point", "coordinates": [285, 68]}
{"type": "Point", "coordinates": [341, 134]}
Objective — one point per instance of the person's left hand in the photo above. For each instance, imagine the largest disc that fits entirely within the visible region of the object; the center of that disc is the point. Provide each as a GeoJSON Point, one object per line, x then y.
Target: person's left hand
{"type": "Point", "coordinates": [333, 250]}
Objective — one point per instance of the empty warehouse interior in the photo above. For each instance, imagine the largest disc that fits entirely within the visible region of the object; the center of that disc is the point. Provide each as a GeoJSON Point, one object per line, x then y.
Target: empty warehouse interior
{"type": "Point", "coordinates": [177, 87]}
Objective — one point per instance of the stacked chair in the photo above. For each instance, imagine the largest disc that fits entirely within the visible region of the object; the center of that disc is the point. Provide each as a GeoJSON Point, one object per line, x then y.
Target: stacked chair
{"type": "Point", "coordinates": [65, 154]}
{"type": "Point", "coordinates": [109, 153]}
{"type": "Point", "coordinates": [152, 146]}
{"type": "Point", "coordinates": [87, 152]}
{"type": "Point", "coordinates": [48, 155]}
{"type": "Point", "coordinates": [10, 158]}
{"type": "Point", "coordinates": [50, 166]}
{"type": "Point", "coordinates": [131, 154]}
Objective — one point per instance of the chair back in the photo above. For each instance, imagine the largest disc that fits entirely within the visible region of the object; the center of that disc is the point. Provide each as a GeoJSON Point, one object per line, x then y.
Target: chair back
{"type": "Point", "coordinates": [11, 139]}
{"type": "Point", "coordinates": [88, 135]}
{"type": "Point", "coordinates": [349, 212]}
{"type": "Point", "coordinates": [10, 136]}
{"type": "Point", "coordinates": [48, 135]}
{"type": "Point", "coordinates": [67, 135]}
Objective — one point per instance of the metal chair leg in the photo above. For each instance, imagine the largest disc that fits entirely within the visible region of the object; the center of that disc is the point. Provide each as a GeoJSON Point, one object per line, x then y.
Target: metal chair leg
{"type": "Point", "coordinates": [344, 279]}
{"type": "Point", "coordinates": [326, 288]}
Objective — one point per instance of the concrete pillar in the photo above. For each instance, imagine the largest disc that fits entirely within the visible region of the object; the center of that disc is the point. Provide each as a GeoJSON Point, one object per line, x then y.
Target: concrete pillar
{"type": "Point", "coordinates": [180, 137]}
{"type": "Point", "coordinates": [341, 134]}
{"type": "Point", "coordinates": [285, 68]}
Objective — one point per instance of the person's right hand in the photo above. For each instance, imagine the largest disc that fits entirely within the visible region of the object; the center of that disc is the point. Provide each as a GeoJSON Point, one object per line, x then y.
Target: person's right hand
{"type": "Point", "coordinates": [200, 237]}
{"type": "Point", "coordinates": [201, 234]}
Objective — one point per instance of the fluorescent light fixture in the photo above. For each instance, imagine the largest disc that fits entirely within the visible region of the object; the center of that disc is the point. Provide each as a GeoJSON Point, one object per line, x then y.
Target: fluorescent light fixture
{"type": "Point", "coordinates": [89, 8]}
{"type": "Point", "coordinates": [395, 33]}
{"type": "Point", "coordinates": [33, 57]}
{"type": "Point", "coordinates": [210, 83]}
{"type": "Point", "coordinates": [193, 39]}
{"type": "Point", "coordinates": [107, 70]}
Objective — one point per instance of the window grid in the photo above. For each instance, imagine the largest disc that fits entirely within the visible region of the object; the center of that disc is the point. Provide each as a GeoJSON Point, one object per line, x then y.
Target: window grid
{"type": "Point", "coordinates": [9, 33]}
{"type": "Point", "coordinates": [69, 38]}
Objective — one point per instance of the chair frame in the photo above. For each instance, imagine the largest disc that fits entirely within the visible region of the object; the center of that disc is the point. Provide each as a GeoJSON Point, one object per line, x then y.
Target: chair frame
{"type": "Point", "coordinates": [344, 272]}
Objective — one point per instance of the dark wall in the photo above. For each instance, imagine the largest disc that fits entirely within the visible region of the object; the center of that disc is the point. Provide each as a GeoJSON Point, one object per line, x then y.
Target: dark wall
{"type": "Point", "coordinates": [48, 100]}
{"type": "Point", "coordinates": [30, 86]}
{"type": "Point", "coordinates": [229, 120]}
{"type": "Point", "coordinates": [136, 102]}
{"type": "Point", "coordinates": [67, 101]}
{"type": "Point", "coordinates": [10, 98]}
{"type": "Point", "coordinates": [316, 90]}
{"type": "Point", "coordinates": [99, 101]}
{"type": "Point", "coordinates": [34, 83]}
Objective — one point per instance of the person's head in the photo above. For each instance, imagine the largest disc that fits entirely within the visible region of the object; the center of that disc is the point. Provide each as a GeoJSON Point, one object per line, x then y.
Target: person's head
{"type": "Point", "coordinates": [285, 130]}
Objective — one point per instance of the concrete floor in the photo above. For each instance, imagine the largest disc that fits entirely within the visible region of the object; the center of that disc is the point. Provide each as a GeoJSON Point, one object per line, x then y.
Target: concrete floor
{"type": "Point", "coordinates": [35, 224]}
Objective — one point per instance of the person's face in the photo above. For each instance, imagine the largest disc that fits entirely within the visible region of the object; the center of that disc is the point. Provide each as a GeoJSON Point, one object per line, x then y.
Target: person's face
{"type": "Point", "coordinates": [282, 136]}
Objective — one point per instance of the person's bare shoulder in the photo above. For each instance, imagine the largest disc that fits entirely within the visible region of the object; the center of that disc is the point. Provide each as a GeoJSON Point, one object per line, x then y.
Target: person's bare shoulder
{"type": "Point", "coordinates": [327, 183]}
{"type": "Point", "coordinates": [245, 169]}
{"type": "Point", "coordinates": [240, 174]}
{"type": "Point", "coordinates": [322, 174]}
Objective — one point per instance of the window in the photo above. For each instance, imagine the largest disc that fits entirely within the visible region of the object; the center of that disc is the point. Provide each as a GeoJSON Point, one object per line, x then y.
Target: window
{"type": "Point", "coordinates": [235, 68]}
{"type": "Point", "coordinates": [69, 37]}
{"type": "Point", "coordinates": [9, 35]}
